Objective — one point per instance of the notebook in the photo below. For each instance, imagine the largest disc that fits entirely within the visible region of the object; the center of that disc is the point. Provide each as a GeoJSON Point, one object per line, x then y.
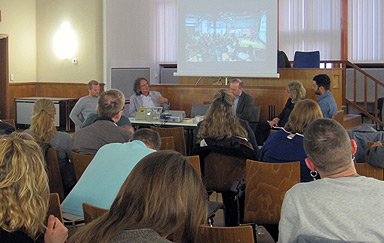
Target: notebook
{"type": "Point", "coordinates": [149, 113]}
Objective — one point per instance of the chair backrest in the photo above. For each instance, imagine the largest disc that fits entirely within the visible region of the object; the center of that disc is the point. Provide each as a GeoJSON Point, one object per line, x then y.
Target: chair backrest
{"type": "Point", "coordinates": [54, 206]}
{"type": "Point", "coordinates": [167, 143]}
{"type": "Point", "coordinates": [306, 59]}
{"type": "Point", "coordinates": [365, 169]}
{"type": "Point", "coordinates": [339, 117]}
{"type": "Point", "coordinates": [199, 109]}
{"type": "Point", "coordinates": [220, 171]}
{"type": "Point", "coordinates": [178, 135]}
{"type": "Point", "coordinates": [92, 212]}
{"type": "Point", "coordinates": [9, 121]}
{"type": "Point", "coordinates": [54, 176]}
{"type": "Point", "coordinates": [80, 163]}
{"type": "Point", "coordinates": [243, 234]}
{"type": "Point", "coordinates": [195, 162]}
{"type": "Point", "coordinates": [266, 185]}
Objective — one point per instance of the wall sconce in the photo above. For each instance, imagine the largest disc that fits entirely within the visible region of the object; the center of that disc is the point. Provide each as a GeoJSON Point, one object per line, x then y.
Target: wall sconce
{"type": "Point", "coordinates": [65, 42]}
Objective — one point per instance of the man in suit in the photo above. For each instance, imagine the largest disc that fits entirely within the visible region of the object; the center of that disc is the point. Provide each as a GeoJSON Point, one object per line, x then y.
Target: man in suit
{"type": "Point", "coordinates": [243, 101]}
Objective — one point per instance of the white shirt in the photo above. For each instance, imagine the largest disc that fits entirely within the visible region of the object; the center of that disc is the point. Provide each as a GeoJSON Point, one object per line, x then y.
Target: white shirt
{"type": "Point", "coordinates": [147, 101]}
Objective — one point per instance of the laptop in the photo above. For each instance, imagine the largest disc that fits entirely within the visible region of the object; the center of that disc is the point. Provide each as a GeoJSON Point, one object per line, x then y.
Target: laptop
{"type": "Point", "coordinates": [149, 113]}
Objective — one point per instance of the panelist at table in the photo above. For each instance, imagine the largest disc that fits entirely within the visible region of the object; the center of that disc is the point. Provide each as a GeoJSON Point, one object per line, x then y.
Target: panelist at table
{"type": "Point", "coordinates": [145, 98]}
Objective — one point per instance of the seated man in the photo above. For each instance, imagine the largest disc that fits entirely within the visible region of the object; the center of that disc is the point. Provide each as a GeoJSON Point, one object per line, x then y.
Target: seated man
{"type": "Point", "coordinates": [85, 105]}
{"type": "Point", "coordinates": [340, 206]}
{"type": "Point", "coordinates": [375, 155]}
{"type": "Point", "coordinates": [145, 98]}
{"type": "Point", "coordinates": [89, 139]}
{"type": "Point", "coordinates": [104, 176]}
{"type": "Point", "coordinates": [123, 122]}
{"type": "Point", "coordinates": [321, 85]}
{"type": "Point", "coordinates": [243, 102]}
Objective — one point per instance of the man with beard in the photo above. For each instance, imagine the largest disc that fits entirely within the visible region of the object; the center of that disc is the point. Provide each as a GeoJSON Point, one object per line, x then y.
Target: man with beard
{"type": "Point", "coordinates": [327, 103]}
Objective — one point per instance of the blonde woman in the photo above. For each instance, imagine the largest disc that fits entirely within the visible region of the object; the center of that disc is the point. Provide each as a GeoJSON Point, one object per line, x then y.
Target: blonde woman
{"type": "Point", "coordinates": [220, 121]}
{"type": "Point", "coordinates": [44, 131]}
{"type": "Point", "coordinates": [286, 145]}
{"type": "Point", "coordinates": [24, 193]}
{"type": "Point", "coordinates": [162, 195]}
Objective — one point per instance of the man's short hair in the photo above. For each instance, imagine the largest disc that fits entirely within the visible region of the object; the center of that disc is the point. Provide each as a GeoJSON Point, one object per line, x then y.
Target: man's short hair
{"type": "Point", "coordinates": [322, 80]}
{"type": "Point", "coordinates": [148, 136]}
{"type": "Point", "coordinates": [328, 146]}
{"type": "Point", "coordinates": [238, 81]}
{"type": "Point", "coordinates": [136, 85]}
{"type": "Point", "coordinates": [92, 82]}
{"type": "Point", "coordinates": [110, 103]}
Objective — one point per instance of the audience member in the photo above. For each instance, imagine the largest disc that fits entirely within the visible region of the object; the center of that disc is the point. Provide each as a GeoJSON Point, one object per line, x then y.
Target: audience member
{"type": "Point", "coordinates": [221, 125]}
{"type": "Point", "coordinates": [375, 155]}
{"type": "Point", "coordinates": [102, 179]}
{"type": "Point", "coordinates": [85, 105]}
{"type": "Point", "coordinates": [44, 132]}
{"type": "Point", "coordinates": [286, 145]}
{"type": "Point", "coordinates": [89, 139]}
{"type": "Point", "coordinates": [321, 85]}
{"type": "Point", "coordinates": [123, 122]}
{"type": "Point", "coordinates": [162, 195]}
{"type": "Point", "coordinates": [362, 135]}
{"type": "Point", "coordinates": [6, 128]}
{"type": "Point", "coordinates": [340, 206]}
{"type": "Point", "coordinates": [145, 98]}
{"type": "Point", "coordinates": [296, 92]}
{"type": "Point", "coordinates": [243, 104]}
{"type": "Point", "coordinates": [24, 193]}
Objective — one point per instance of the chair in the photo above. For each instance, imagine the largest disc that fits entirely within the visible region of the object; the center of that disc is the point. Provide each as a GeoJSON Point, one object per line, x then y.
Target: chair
{"type": "Point", "coordinates": [80, 163]}
{"type": "Point", "coordinates": [54, 207]}
{"type": "Point", "coordinates": [178, 135]}
{"type": "Point", "coordinates": [199, 109]}
{"type": "Point", "coordinates": [255, 118]}
{"type": "Point", "coordinates": [92, 212]}
{"type": "Point", "coordinates": [368, 170]}
{"type": "Point", "coordinates": [265, 188]}
{"type": "Point", "coordinates": [282, 60]}
{"type": "Point", "coordinates": [9, 121]}
{"type": "Point", "coordinates": [220, 171]}
{"type": "Point", "coordinates": [195, 162]}
{"type": "Point", "coordinates": [243, 234]}
{"type": "Point", "coordinates": [167, 143]}
{"type": "Point", "coordinates": [339, 117]}
{"type": "Point", "coordinates": [53, 171]}
{"type": "Point", "coordinates": [306, 59]}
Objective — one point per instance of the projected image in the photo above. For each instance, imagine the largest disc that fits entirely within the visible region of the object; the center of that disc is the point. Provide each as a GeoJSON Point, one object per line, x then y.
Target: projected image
{"type": "Point", "coordinates": [226, 37]}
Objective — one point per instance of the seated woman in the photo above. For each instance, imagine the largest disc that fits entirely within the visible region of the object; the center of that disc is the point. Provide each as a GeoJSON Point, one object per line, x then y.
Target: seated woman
{"type": "Point", "coordinates": [162, 195]}
{"type": "Point", "coordinates": [286, 145]}
{"type": "Point", "coordinates": [24, 193]}
{"type": "Point", "coordinates": [296, 92]}
{"type": "Point", "coordinates": [223, 131]}
{"type": "Point", "coordinates": [44, 131]}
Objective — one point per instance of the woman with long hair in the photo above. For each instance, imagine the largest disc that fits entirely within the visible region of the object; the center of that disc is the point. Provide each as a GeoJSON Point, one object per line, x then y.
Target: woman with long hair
{"type": "Point", "coordinates": [162, 195]}
{"type": "Point", "coordinates": [296, 92]}
{"type": "Point", "coordinates": [220, 121]}
{"type": "Point", "coordinates": [43, 130]}
{"type": "Point", "coordinates": [24, 192]}
{"type": "Point", "coordinates": [286, 145]}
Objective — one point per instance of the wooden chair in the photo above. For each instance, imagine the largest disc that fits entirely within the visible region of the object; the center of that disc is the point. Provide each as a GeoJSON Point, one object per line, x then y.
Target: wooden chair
{"type": "Point", "coordinates": [178, 135]}
{"type": "Point", "coordinates": [9, 121]}
{"type": "Point", "coordinates": [243, 234]}
{"type": "Point", "coordinates": [220, 171]}
{"type": "Point", "coordinates": [368, 170]}
{"type": "Point", "coordinates": [195, 162]}
{"type": "Point", "coordinates": [167, 143]}
{"type": "Point", "coordinates": [80, 163]}
{"type": "Point", "coordinates": [53, 171]}
{"type": "Point", "coordinates": [265, 188]}
{"type": "Point", "coordinates": [54, 206]}
{"type": "Point", "coordinates": [92, 212]}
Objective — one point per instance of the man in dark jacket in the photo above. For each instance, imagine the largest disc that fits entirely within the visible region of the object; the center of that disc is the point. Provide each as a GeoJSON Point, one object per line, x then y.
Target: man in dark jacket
{"type": "Point", "coordinates": [243, 101]}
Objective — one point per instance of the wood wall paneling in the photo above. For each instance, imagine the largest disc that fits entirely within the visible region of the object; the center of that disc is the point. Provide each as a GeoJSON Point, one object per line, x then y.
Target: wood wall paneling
{"type": "Point", "coordinates": [4, 75]}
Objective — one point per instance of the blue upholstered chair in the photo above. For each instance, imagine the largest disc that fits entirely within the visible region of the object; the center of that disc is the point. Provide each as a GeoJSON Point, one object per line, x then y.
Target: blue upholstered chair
{"type": "Point", "coordinates": [306, 59]}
